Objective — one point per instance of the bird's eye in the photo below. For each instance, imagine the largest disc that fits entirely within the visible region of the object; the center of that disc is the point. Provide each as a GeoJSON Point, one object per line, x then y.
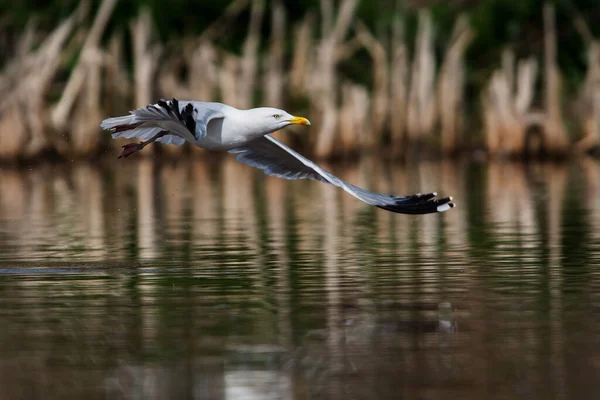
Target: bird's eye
{"type": "Point", "coordinates": [276, 116]}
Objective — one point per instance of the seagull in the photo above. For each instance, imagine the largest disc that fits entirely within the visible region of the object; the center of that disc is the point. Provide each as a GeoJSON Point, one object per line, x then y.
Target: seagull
{"type": "Point", "coordinates": [220, 127]}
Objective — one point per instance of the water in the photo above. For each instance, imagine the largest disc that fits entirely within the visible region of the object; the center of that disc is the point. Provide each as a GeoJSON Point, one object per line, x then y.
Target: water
{"type": "Point", "coordinates": [207, 280]}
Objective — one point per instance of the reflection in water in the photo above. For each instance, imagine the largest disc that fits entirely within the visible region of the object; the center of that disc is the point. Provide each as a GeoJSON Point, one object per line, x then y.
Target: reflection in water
{"type": "Point", "coordinates": [209, 280]}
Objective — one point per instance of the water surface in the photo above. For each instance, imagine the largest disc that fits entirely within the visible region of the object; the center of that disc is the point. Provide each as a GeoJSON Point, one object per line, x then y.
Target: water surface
{"type": "Point", "coordinates": [135, 279]}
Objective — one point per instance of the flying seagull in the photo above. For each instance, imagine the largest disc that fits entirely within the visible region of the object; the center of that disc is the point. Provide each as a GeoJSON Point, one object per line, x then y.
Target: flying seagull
{"type": "Point", "coordinates": [219, 127]}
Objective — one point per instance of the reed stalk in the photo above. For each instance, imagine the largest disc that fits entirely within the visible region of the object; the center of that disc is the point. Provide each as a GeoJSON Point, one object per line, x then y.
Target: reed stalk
{"type": "Point", "coordinates": [555, 127]}
{"type": "Point", "coordinates": [421, 115]}
{"type": "Point", "coordinates": [450, 90]}
{"type": "Point", "coordinates": [324, 92]}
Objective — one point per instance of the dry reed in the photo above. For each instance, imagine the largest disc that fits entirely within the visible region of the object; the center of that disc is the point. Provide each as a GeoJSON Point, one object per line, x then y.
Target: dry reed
{"type": "Point", "coordinates": [410, 101]}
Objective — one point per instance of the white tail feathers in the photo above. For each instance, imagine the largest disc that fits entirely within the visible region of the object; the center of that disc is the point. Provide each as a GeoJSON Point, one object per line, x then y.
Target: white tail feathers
{"type": "Point", "coordinates": [127, 127]}
{"type": "Point", "coordinates": [147, 122]}
{"type": "Point", "coordinates": [112, 123]}
{"type": "Point", "coordinates": [144, 133]}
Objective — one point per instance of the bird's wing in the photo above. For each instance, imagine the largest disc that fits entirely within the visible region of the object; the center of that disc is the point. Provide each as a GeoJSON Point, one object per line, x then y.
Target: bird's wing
{"type": "Point", "coordinates": [187, 120]}
{"type": "Point", "coordinates": [276, 159]}
{"type": "Point", "coordinates": [147, 133]}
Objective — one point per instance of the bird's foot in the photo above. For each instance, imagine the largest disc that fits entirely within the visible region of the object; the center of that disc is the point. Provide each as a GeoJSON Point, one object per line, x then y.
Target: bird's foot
{"type": "Point", "coordinates": [131, 148]}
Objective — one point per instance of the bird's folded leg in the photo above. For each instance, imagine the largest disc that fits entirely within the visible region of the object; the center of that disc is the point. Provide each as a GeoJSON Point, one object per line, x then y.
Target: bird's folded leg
{"type": "Point", "coordinates": [131, 148]}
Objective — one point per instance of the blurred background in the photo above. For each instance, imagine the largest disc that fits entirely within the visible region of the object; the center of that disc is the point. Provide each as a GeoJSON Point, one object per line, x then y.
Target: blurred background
{"type": "Point", "coordinates": [178, 273]}
{"type": "Point", "coordinates": [393, 77]}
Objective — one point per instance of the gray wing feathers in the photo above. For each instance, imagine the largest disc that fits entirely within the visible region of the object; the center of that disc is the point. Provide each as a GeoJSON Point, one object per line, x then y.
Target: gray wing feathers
{"type": "Point", "coordinates": [171, 139]}
{"type": "Point", "coordinates": [147, 134]}
{"type": "Point", "coordinates": [204, 113]}
{"type": "Point", "coordinates": [142, 133]}
{"type": "Point", "coordinates": [185, 119]}
{"type": "Point", "coordinates": [276, 159]}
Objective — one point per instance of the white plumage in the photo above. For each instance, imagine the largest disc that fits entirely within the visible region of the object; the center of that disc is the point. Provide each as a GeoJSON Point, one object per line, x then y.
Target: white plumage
{"type": "Point", "coordinates": [219, 127]}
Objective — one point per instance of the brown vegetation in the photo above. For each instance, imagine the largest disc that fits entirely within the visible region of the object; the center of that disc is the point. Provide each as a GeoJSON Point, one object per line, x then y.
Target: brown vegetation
{"type": "Point", "coordinates": [510, 120]}
{"type": "Point", "coordinates": [410, 102]}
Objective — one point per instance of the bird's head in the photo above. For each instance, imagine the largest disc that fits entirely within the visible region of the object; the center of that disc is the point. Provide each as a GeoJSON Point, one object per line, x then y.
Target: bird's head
{"type": "Point", "coordinates": [273, 119]}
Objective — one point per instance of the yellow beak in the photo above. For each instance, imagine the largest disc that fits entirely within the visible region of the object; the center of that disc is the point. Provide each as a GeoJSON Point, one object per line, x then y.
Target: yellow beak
{"type": "Point", "coordinates": [299, 121]}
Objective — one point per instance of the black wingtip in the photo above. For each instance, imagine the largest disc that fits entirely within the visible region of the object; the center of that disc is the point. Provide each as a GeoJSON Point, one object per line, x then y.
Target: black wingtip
{"type": "Point", "coordinates": [420, 204]}
{"type": "Point", "coordinates": [175, 107]}
{"type": "Point", "coordinates": [187, 117]}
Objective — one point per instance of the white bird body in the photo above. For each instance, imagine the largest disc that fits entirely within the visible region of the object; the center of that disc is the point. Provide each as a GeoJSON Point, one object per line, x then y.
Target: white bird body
{"type": "Point", "coordinates": [237, 129]}
{"type": "Point", "coordinates": [220, 127]}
